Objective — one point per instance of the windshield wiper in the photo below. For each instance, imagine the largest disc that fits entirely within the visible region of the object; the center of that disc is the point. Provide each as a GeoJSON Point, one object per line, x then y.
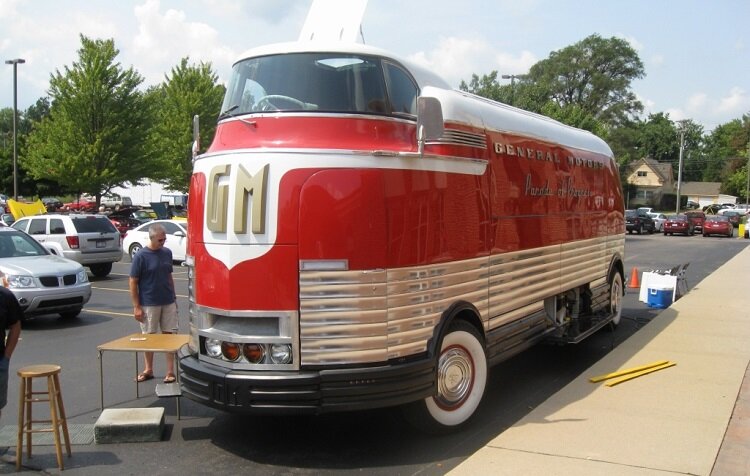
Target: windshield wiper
{"type": "Point", "coordinates": [228, 111]}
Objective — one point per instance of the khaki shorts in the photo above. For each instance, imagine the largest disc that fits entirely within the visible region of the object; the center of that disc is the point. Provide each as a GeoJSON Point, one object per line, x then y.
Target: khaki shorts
{"type": "Point", "coordinates": [159, 318]}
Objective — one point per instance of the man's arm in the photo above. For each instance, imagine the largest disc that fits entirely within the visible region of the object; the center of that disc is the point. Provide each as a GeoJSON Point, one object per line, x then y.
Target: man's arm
{"type": "Point", "coordinates": [137, 309]}
{"type": "Point", "coordinates": [14, 332]}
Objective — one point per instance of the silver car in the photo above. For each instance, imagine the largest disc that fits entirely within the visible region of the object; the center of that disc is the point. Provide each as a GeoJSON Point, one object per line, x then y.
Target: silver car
{"type": "Point", "coordinates": [42, 282]}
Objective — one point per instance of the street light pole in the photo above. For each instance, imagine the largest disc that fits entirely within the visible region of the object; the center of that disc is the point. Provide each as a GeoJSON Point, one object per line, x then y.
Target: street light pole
{"type": "Point", "coordinates": [15, 63]}
{"type": "Point", "coordinates": [513, 78]}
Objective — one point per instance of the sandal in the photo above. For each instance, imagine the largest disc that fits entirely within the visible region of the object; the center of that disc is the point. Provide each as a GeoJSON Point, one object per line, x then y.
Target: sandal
{"type": "Point", "coordinates": [170, 378]}
{"type": "Point", "coordinates": [143, 376]}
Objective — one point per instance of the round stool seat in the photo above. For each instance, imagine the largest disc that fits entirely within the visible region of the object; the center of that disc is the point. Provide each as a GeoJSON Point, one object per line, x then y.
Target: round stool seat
{"type": "Point", "coordinates": [41, 370]}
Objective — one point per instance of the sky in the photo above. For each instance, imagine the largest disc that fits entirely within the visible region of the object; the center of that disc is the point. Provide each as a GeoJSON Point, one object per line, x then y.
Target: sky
{"type": "Point", "coordinates": [696, 53]}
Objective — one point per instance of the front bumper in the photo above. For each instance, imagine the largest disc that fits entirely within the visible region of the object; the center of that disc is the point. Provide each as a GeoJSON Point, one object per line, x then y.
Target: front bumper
{"type": "Point", "coordinates": [312, 392]}
{"type": "Point", "coordinates": [36, 301]}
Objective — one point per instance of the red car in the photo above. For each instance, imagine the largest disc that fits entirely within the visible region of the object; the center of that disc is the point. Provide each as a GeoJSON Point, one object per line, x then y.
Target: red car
{"type": "Point", "coordinates": [82, 205]}
{"type": "Point", "coordinates": [697, 218]}
{"type": "Point", "coordinates": [718, 225]}
{"type": "Point", "coordinates": [678, 224]}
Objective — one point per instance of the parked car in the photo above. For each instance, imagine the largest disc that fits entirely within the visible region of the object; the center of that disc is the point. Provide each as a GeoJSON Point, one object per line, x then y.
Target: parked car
{"type": "Point", "coordinates": [137, 238]}
{"type": "Point", "coordinates": [42, 282]}
{"type": "Point", "coordinates": [714, 209]}
{"type": "Point", "coordinates": [678, 224]}
{"type": "Point", "coordinates": [718, 225]}
{"type": "Point", "coordinates": [691, 205]}
{"type": "Point", "coordinates": [91, 240]}
{"type": "Point", "coordinates": [7, 218]}
{"type": "Point", "coordinates": [52, 204]}
{"type": "Point", "coordinates": [659, 219]}
{"type": "Point", "coordinates": [128, 218]}
{"type": "Point", "coordinates": [138, 214]}
{"type": "Point", "coordinates": [638, 222]}
{"type": "Point", "coordinates": [735, 217]}
{"type": "Point", "coordinates": [697, 218]}
{"type": "Point", "coordinates": [80, 205]}
{"type": "Point", "coordinates": [115, 201]}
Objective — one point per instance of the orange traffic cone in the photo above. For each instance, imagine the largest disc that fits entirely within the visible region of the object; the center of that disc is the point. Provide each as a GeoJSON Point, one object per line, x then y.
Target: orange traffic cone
{"type": "Point", "coordinates": [634, 283]}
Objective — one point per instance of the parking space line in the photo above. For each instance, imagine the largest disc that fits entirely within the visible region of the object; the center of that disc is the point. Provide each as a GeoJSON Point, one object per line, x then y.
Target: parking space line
{"type": "Point", "coordinates": [127, 290]}
{"type": "Point", "coordinates": [94, 311]}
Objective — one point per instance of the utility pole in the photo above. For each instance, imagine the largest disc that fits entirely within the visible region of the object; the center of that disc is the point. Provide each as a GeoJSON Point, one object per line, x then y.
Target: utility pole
{"type": "Point", "coordinates": [679, 167]}
{"type": "Point", "coordinates": [15, 63]}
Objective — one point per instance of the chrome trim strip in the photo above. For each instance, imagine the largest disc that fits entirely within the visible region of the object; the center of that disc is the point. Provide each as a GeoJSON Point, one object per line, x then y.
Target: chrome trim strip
{"type": "Point", "coordinates": [477, 166]}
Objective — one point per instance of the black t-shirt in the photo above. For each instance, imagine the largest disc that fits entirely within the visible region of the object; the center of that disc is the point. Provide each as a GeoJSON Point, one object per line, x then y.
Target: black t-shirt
{"type": "Point", "coordinates": [10, 313]}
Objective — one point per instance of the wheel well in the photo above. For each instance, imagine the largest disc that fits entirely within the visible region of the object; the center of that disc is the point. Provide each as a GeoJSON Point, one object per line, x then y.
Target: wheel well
{"type": "Point", "coordinates": [618, 266]}
{"type": "Point", "coordinates": [460, 311]}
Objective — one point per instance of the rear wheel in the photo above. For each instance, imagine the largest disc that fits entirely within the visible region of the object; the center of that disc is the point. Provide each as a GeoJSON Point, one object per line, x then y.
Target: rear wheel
{"type": "Point", "coordinates": [101, 270]}
{"type": "Point", "coordinates": [134, 248]}
{"type": "Point", "coordinates": [461, 379]}
{"type": "Point", "coordinates": [616, 290]}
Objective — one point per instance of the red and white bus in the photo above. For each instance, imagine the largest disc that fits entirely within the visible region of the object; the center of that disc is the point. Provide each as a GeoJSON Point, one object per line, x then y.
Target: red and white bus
{"type": "Point", "coordinates": [361, 235]}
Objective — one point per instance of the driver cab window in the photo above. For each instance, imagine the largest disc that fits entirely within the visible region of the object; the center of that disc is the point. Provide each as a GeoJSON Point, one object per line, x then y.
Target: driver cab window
{"type": "Point", "coordinates": [403, 91]}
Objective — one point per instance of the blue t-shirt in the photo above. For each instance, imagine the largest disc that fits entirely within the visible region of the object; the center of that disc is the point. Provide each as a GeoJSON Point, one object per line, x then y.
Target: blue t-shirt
{"type": "Point", "coordinates": [152, 268]}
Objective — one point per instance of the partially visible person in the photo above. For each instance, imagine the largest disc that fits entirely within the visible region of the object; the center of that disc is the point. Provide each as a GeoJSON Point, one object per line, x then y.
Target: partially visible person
{"type": "Point", "coordinates": [152, 292]}
{"type": "Point", "coordinates": [10, 319]}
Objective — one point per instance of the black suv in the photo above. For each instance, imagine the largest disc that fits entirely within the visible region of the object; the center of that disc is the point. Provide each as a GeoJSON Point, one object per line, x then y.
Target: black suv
{"type": "Point", "coordinates": [639, 222]}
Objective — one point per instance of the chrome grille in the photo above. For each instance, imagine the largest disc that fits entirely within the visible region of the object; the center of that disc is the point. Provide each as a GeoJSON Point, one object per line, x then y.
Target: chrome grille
{"type": "Point", "coordinates": [456, 137]}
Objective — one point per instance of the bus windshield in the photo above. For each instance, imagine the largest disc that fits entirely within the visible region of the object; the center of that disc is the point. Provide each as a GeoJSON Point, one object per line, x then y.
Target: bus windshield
{"type": "Point", "coordinates": [323, 82]}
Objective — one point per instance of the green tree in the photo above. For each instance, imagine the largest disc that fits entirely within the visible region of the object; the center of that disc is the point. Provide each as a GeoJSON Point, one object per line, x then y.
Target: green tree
{"type": "Point", "coordinates": [727, 147]}
{"type": "Point", "coordinates": [93, 138]}
{"type": "Point", "coordinates": [594, 74]}
{"type": "Point", "coordinates": [188, 91]}
{"type": "Point", "coordinates": [659, 139]}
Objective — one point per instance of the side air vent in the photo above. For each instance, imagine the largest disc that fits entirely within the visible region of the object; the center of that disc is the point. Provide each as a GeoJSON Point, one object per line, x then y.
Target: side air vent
{"type": "Point", "coordinates": [456, 137]}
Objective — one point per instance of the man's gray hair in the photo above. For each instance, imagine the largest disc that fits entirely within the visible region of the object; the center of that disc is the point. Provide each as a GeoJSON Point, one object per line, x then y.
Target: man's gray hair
{"type": "Point", "coordinates": [156, 229]}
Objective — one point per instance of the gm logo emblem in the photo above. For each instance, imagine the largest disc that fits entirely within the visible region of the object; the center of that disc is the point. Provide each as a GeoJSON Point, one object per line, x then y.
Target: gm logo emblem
{"type": "Point", "coordinates": [246, 185]}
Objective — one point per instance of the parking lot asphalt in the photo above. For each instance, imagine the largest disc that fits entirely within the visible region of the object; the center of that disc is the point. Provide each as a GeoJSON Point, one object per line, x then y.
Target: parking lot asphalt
{"type": "Point", "coordinates": [221, 442]}
{"type": "Point", "coordinates": [692, 418]}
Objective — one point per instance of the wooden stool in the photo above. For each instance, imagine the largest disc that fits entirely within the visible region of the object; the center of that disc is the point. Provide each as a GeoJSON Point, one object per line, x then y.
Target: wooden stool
{"type": "Point", "coordinates": [56, 410]}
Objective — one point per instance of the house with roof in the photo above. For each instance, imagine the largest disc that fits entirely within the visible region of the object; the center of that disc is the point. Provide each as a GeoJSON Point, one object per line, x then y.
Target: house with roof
{"type": "Point", "coordinates": [650, 180]}
{"type": "Point", "coordinates": [705, 193]}
{"type": "Point", "coordinates": [653, 184]}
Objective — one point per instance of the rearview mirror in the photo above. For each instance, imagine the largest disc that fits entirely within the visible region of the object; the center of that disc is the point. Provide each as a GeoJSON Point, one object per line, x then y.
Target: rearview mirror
{"type": "Point", "coordinates": [429, 120]}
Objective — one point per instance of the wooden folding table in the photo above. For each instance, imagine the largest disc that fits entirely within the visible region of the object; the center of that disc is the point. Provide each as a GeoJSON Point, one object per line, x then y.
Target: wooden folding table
{"type": "Point", "coordinates": [157, 343]}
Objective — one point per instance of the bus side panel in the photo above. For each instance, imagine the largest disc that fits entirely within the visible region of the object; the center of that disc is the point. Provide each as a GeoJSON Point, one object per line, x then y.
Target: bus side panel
{"type": "Point", "coordinates": [435, 217]}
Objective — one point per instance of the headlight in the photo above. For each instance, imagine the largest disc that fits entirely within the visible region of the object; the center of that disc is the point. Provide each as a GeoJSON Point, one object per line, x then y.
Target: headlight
{"type": "Point", "coordinates": [281, 353]}
{"type": "Point", "coordinates": [16, 281]}
{"type": "Point", "coordinates": [213, 348]}
{"type": "Point", "coordinates": [83, 277]}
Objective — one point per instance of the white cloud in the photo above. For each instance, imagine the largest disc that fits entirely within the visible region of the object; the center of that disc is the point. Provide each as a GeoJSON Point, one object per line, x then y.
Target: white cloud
{"type": "Point", "coordinates": [165, 37]}
{"type": "Point", "coordinates": [656, 60]}
{"type": "Point", "coordinates": [455, 59]}
{"type": "Point", "coordinates": [637, 45]}
{"type": "Point", "coordinates": [736, 103]}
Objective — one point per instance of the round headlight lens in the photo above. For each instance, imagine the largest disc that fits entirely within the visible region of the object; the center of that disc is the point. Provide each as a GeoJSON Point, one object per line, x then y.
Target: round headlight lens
{"type": "Point", "coordinates": [281, 353]}
{"type": "Point", "coordinates": [230, 350]}
{"type": "Point", "coordinates": [213, 348]}
{"type": "Point", "coordinates": [254, 353]}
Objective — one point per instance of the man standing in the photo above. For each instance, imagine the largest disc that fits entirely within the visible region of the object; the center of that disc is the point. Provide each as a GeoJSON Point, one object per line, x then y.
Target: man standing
{"type": "Point", "coordinates": [10, 318]}
{"type": "Point", "coordinates": [153, 294]}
